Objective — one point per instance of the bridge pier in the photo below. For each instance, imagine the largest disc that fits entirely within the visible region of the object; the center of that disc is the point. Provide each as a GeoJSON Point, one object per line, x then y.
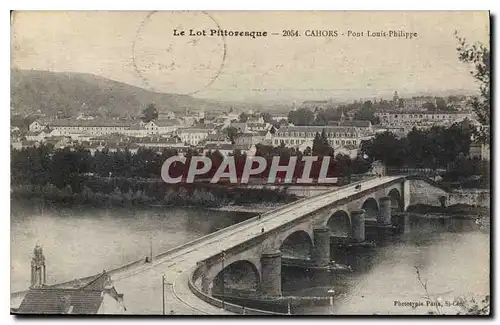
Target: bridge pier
{"type": "Point", "coordinates": [358, 226]}
{"type": "Point", "coordinates": [321, 250]}
{"type": "Point", "coordinates": [271, 273]}
{"type": "Point", "coordinates": [205, 281]}
{"type": "Point", "coordinates": [384, 218]}
{"type": "Point", "coordinates": [402, 222]}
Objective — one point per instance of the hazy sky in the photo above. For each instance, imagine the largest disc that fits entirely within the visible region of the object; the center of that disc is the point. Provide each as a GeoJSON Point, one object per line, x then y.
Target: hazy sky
{"type": "Point", "coordinates": [139, 48]}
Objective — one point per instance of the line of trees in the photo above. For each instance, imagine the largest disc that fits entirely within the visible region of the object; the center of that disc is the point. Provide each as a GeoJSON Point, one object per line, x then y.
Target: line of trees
{"type": "Point", "coordinates": [364, 111]}
{"type": "Point", "coordinates": [437, 147]}
{"type": "Point", "coordinates": [71, 167]}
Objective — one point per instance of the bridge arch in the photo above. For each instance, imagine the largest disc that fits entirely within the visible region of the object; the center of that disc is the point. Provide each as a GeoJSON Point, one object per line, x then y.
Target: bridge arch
{"type": "Point", "coordinates": [370, 205]}
{"type": "Point", "coordinates": [339, 223]}
{"type": "Point", "coordinates": [396, 199]}
{"type": "Point", "coordinates": [240, 275]}
{"type": "Point", "coordinates": [298, 244]}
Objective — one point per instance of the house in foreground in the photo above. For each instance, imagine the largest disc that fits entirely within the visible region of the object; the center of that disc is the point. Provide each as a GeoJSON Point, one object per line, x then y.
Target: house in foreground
{"type": "Point", "coordinates": [98, 296]}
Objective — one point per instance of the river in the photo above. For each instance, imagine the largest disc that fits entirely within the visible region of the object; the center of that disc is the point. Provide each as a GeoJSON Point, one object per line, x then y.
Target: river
{"type": "Point", "coordinates": [78, 242]}
{"type": "Point", "coordinates": [453, 262]}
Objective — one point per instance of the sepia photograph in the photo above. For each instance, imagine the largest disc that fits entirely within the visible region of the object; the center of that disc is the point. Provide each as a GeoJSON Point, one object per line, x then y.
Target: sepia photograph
{"type": "Point", "coordinates": [250, 163]}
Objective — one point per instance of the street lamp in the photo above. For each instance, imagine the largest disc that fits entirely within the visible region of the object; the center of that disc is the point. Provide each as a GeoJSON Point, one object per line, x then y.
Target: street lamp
{"type": "Point", "coordinates": [150, 249]}
{"type": "Point", "coordinates": [223, 278]}
{"type": "Point", "coordinates": [332, 293]}
{"type": "Point", "coordinates": [163, 292]}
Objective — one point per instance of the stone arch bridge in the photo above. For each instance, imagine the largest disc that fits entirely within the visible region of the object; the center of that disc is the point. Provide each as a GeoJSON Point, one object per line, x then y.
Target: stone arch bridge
{"type": "Point", "coordinates": [255, 264]}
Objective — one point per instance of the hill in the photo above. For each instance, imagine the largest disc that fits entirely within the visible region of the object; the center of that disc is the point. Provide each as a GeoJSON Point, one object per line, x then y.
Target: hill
{"type": "Point", "coordinates": [70, 93]}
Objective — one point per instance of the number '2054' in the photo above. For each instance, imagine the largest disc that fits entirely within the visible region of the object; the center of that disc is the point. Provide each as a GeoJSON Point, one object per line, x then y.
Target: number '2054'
{"type": "Point", "coordinates": [290, 33]}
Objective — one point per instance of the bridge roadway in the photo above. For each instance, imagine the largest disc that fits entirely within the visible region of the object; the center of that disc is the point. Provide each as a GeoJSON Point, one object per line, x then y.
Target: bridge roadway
{"type": "Point", "coordinates": [142, 286]}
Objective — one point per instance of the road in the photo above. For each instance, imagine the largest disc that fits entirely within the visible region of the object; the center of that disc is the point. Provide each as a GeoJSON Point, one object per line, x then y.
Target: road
{"type": "Point", "coordinates": [142, 286]}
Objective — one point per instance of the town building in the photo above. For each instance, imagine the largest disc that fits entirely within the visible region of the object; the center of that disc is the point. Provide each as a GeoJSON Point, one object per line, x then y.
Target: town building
{"type": "Point", "coordinates": [253, 138]}
{"type": "Point", "coordinates": [35, 136]}
{"type": "Point", "coordinates": [77, 128]}
{"type": "Point", "coordinates": [193, 136]}
{"type": "Point", "coordinates": [255, 119]}
{"type": "Point", "coordinates": [90, 127]}
{"type": "Point", "coordinates": [240, 127]}
{"type": "Point", "coordinates": [418, 117]}
{"type": "Point", "coordinates": [418, 103]}
{"type": "Point", "coordinates": [280, 118]}
{"type": "Point", "coordinates": [480, 151]}
{"type": "Point", "coordinates": [228, 149]}
{"type": "Point", "coordinates": [58, 141]}
{"type": "Point", "coordinates": [294, 136]}
{"type": "Point", "coordinates": [415, 103]}
{"type": "Point", "coordinates": [256, 127]}
{"type": "Point", "coordinates": [216, 138]}
{"type": "Point", "coordinates": [162, 126]}
{"type": "Point", "coordinates": [166, 115]}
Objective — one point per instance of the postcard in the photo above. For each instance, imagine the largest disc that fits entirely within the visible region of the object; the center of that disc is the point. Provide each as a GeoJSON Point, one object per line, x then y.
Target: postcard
{"type": "Point", "coordinates": [250, 163]}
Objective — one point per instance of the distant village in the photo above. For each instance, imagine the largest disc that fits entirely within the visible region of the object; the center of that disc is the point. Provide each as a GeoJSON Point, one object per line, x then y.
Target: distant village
{"type": "Point", "coordinates": [229, 131]}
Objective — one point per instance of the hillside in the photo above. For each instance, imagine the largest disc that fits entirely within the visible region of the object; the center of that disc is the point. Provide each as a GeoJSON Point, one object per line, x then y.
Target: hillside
{"type": "Point", "coordinates": [75, 93]}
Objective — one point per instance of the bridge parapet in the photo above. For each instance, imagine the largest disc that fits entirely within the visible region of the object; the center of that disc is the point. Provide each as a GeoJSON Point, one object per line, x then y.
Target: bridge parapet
{"type": "Point", "coordinates": [197, 272]}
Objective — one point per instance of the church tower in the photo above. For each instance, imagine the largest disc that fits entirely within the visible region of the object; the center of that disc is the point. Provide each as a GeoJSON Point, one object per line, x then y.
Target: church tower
{"type": "Point", "coordinates": [38, 274]}
{"type": "Point", "coordinates": [395, 98]}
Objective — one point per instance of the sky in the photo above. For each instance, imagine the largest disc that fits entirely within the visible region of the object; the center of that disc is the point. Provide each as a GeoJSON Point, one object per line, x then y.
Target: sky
{"type": "Point", "coordinates": [140, 48]}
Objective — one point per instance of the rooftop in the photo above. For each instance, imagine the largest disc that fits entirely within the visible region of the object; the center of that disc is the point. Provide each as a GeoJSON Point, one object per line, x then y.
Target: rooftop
{"type": "Point", "coordinates": [216, 137]}
{"type": "Point", "coordinates": [317, 129]}
{"type": "Point", "coordinates": [86, 123]}
{"type": "Point", "coordinates": [84, 300]}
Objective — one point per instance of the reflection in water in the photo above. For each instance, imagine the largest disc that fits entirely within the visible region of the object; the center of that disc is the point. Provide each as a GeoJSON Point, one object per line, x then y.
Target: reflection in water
{"type": "Point", "coordinates": [452, 258]}
{"type": "Point", "coordinates": [78, 242]}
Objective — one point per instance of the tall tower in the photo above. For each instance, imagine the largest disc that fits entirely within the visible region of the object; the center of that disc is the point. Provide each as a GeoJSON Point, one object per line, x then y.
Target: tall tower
{"type": "Point", "coordinates": [395, 98]}
{"type": "Point", "coordinates": [38, 274]}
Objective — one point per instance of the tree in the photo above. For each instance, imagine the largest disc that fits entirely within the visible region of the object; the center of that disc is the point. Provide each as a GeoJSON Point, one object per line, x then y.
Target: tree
{"type": "Point", "coordinates": [441, 104]}
{"type": "Point", "coordinates": [149, 113]}
{"type": "Point", "coordinates": [243, 117]}
{"type": "Point", "coordinates": [367, 113]}
{"type": "Point", "coordinates": [268, 118]}
{"type": "Point", "coordinates": [478, 55]}
{"type": "Point", "coordinates": [231, 133]}
{"type": "Point", "coordinates": [386, 147]}
{"type": "Point", "coordinates": [302, 116]}
{"type": "Point", "coordinates": [344, 165]}
{"type": "Point", "coordinates": [321, 146]}
{"type": "Point", "coordinates": [429, 106]}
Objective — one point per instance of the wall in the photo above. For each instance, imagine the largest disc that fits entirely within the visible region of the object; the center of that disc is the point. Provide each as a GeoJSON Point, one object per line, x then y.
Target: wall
{"type": "Point", "coordinates": [425, 193]}
{"type": "Point", "coordinates": [471, 197]}
{"type": "Point", "coordinates": [110, 306]}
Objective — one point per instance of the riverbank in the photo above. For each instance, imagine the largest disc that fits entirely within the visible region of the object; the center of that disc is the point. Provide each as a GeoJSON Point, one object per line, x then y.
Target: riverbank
{"type": "Point", "coordinates": [252, 208]}
{"type": "Point", "coordinates": [106, 193]}
{"type": "Point", "coordinates": [455, 209]}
